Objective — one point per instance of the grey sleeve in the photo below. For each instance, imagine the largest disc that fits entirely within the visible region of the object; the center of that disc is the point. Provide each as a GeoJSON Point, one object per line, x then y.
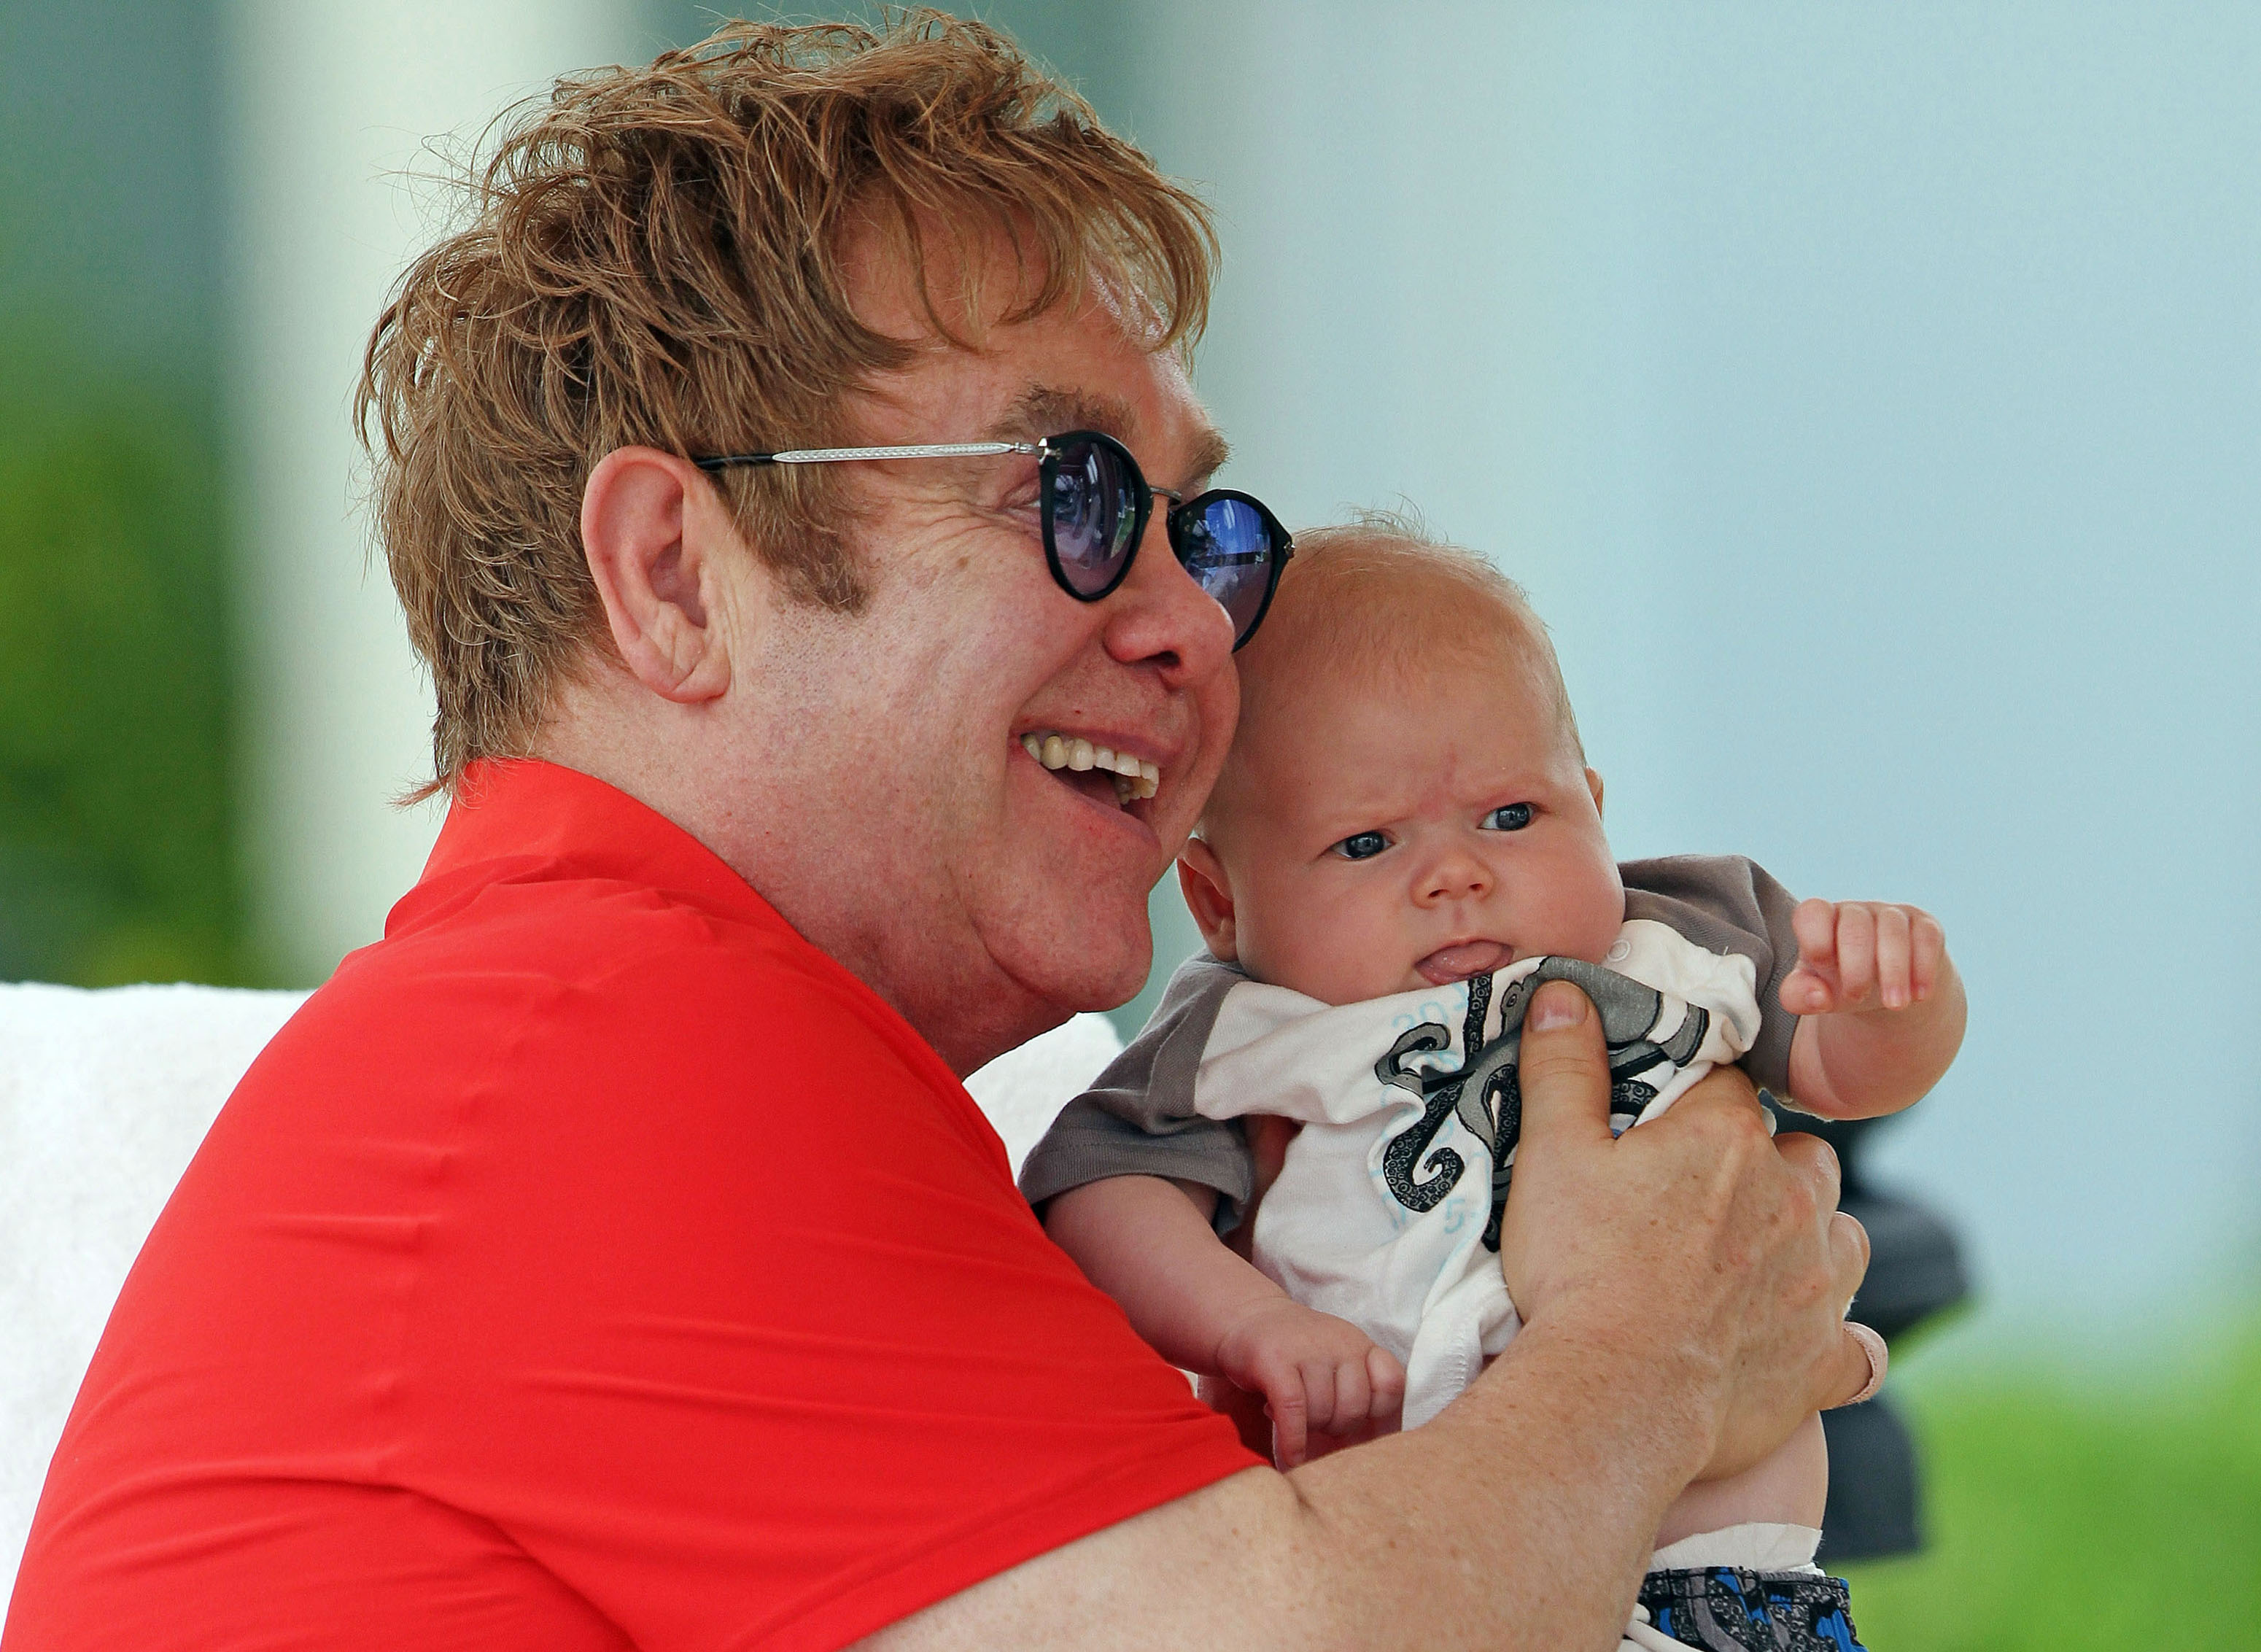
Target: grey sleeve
{"type": "Point", "coordinates": [1137, 1118]}
{"type": "Point", "coordinates": [1724, 903]}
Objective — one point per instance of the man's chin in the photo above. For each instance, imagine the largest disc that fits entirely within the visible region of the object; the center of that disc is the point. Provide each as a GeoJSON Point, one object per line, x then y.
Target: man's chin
{"type": "Point", "coordinates": [1073, 990]}
{"type": "Point", "coordinates": [1078, 963]}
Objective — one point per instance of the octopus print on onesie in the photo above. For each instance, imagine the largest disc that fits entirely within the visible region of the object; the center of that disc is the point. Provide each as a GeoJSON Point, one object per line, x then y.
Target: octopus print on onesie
{"type": "Point", "coordinates": [1387, 1209]}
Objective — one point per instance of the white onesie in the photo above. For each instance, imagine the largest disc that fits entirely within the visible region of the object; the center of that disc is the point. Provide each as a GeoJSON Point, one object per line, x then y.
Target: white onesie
{"type": "Point", "coordinates": [1384, 1213]}
{"type": "Point", "coordinates": [1387, 1209]}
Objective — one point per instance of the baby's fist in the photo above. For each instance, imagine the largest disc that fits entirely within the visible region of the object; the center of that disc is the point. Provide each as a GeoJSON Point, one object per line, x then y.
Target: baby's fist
{"type": "Point", "coordinates": [1317, 1373]}
{"type": "Point", "coordinates": [1863, 955]}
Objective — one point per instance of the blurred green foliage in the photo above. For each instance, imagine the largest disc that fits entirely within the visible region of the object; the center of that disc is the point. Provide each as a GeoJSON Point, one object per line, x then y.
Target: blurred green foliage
{"type": "Point", "coordinates": [2073, 1518]}
{"type": "Point", "coordinates": [116, 862]}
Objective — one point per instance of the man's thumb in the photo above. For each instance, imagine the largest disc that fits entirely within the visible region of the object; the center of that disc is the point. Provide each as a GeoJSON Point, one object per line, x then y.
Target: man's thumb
{"type": "Point", "coordinates": [1564, 1070]}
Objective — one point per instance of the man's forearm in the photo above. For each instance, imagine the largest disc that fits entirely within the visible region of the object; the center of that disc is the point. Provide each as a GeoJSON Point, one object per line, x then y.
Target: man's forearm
{"type": "Point", "coordinates": [1521, 1517]}
{"type": "Point", "coordinates": [1652, 1350]}
{"type": "Point", "coordinates": [1534, 1448]}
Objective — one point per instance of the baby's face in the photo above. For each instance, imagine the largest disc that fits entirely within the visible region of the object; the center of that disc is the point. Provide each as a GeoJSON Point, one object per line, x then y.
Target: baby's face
{"type": "Point", "coordinates": [1382, 841]}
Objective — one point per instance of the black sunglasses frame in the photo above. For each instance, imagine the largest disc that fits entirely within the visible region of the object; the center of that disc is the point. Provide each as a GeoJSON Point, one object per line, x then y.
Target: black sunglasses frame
{"type": "Point", "coordinates": [1180, 511]}
{"type": "Point", "coordinates": [1048, 451]}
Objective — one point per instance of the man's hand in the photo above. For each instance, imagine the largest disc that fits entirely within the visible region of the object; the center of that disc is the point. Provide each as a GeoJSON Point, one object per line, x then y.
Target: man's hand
{"type": "Point", "coordinates": [1682, 1293]}
{"type": "Point", "coordinates": [1316, 1372]}
{"type": "Point", "coordinates": [1696, 1248]}
{"type": "Point", "coordinates": [1861, 956]}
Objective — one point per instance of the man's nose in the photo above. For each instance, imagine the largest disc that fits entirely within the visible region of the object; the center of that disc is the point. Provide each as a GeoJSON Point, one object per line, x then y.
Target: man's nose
{"type": "Point", "coordinates": [1159, 616]}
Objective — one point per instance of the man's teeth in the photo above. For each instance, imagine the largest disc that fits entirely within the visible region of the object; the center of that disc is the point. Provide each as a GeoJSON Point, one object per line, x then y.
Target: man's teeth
{"type": "Point", "coordinates": [1134, 778]}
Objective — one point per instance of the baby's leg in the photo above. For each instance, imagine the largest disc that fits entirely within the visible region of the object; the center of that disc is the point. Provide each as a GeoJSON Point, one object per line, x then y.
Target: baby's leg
{"type": "Point", "coordinates": [1737, 1554]}
{"type": "Point", "coordinates": [1786, 1489]}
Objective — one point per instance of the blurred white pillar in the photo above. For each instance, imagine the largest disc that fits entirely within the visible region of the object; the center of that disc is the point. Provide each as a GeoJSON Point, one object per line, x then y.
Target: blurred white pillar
{"type": "Point", "coordinates": [329, 105]}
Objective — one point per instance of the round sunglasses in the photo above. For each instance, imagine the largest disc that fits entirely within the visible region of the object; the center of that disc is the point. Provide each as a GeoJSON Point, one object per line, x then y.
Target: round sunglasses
{"type": "Point", "coordinates": [1094, 504]}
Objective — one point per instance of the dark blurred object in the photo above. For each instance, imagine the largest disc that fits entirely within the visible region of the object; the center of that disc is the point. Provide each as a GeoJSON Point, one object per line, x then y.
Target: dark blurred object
{"type": "Point", "coordinates": [1875, 1491]}
{"type": "Point", "coordinates": [1915, 1270]}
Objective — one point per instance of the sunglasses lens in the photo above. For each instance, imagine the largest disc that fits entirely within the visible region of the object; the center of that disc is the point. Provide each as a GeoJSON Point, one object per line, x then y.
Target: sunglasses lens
{"type": "Point", "coordinates": [1226, 545]}
{"type": "Point", "coordinates": [1092, 515]}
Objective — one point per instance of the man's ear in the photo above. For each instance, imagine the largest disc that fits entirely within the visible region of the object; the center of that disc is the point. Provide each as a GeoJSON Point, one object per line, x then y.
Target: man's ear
{"type": "Point", "coordinates": [1594, 785]}
{"type": "Point", "coordinates": [1209, 897]}
{"type": "Point", "coordinates": [655, 532]}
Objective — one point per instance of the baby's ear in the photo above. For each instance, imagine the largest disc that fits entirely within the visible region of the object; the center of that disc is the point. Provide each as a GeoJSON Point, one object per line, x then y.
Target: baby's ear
{"type": "Point", "coordinates": [1209, 897]}
{"type": "Point", "coordinates": [1594, 785]}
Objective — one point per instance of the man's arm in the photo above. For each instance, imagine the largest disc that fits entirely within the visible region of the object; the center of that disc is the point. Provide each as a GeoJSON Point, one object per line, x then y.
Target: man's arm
{"type": "Point", "coordinates": [1522, 1515]}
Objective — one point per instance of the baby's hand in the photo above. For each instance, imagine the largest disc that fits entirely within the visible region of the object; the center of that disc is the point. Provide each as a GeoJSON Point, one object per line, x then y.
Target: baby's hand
{"type": "Point", "coordinates": [1316, 1372]}
{"type": "Point", "coordinates": [1863, 955]}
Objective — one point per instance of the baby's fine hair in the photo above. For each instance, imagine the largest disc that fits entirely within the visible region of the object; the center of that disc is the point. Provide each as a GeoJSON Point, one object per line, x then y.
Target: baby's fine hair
{"type": "Point", "coordinates": [1382, 596]}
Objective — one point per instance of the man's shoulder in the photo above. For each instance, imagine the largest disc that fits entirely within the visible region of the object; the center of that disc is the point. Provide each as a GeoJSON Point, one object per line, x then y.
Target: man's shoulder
{"type": "Point", "coordinates": [603, 1003]}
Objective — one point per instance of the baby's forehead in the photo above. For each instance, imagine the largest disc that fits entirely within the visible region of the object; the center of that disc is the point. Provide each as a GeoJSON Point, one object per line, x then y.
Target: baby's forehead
{"type": "Point", "coordinates": [1343, 711]}
{"type": "Point", "coordinates": [1395, 624]}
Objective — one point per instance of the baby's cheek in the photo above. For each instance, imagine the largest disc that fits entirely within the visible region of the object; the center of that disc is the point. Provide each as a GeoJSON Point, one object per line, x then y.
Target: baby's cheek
{"type": "Point", "coordinates": [1587, 904]}
{"type": "Point", "coordinates": [1337, 951]}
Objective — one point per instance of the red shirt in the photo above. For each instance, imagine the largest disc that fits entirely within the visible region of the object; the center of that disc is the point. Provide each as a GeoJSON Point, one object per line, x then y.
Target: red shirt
{"type": "Point", "coordinates": [592, 1262]}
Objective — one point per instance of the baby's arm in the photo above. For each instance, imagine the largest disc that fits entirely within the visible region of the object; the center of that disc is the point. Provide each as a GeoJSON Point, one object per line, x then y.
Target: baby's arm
{"type": "Point", "coordinates": [1148, 1244]}
{"type": "Point", "coordinates": [1880, 1004]}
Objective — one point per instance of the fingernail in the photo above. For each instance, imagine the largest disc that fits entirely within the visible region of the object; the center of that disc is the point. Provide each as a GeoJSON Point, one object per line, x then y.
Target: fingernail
{"type": "Point", "coordinates": [1558, 1004]}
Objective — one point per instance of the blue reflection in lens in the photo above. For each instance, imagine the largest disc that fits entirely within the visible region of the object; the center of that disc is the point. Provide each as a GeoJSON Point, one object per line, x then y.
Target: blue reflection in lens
{"type": "Point", "coordinates": [1227, 548]}
{"type": "Point", "coordinates": [1094, 511]}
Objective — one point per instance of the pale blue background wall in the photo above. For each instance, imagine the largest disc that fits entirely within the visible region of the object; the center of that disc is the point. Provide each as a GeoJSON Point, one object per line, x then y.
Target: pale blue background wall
{"type": "Point", "coordinates": [1871, 398]}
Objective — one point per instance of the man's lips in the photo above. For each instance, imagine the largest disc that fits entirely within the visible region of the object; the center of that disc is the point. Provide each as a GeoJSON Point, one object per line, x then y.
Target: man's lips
{"type": "Point", "coordinates": [1457, 962]}
{"type": "Point", "coordinates": [1107, 793]}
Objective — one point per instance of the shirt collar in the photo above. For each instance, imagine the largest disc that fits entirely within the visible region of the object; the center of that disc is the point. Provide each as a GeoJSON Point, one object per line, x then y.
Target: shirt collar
{"type": "Point", "coordinates": [524, 818]}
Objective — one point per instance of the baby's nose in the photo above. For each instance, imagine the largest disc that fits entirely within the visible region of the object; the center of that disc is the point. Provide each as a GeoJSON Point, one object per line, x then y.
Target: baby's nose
{"type": "Point", "coordinates": [1457, 878]}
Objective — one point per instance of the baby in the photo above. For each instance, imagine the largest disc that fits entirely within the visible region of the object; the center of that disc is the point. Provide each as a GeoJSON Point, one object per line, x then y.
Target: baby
{"type": "Point", "coordinates": [1404, 842]}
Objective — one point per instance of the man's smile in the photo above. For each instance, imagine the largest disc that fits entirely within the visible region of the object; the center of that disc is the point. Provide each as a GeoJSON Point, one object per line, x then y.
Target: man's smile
{"type": "Point", "coordinates": [1070, 757]}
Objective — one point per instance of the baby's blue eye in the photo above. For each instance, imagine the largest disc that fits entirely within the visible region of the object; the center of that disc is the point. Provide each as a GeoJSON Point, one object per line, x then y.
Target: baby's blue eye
{"type": "Point", "coordinates": [1508, 817]}
{"type": "Point", "coordinates": [1362, 845]}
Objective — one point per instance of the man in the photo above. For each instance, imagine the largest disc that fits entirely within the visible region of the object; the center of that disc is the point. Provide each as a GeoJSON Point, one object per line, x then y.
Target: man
{"type": "Point", "coordinates": [609, 1257]}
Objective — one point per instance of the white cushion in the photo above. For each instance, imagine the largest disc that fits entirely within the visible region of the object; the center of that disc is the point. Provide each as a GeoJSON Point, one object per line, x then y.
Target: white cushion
{"type": "Point", "coordinates": [103, 1097]}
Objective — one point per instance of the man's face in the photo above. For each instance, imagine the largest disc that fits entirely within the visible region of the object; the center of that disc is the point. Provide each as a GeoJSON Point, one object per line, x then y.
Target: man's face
{"type": "Point", "coordinates": [982, 894]}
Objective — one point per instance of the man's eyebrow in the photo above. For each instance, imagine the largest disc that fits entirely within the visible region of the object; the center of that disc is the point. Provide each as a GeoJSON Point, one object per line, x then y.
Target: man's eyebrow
{"type": "Point", "coordinates": [1042, 410]}
{"type": "Point", "coordinates": [1210, 451]}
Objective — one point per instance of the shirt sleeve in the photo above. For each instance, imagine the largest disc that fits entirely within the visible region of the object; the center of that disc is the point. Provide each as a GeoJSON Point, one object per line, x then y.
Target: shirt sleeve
{"type": "Point", "coordinates": [1724, 903]}
{"type": "Point", "coordinates": [1137, 1119]}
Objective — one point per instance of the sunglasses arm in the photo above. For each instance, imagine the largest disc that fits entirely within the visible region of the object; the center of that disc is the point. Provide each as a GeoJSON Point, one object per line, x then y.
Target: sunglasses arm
{"type": "Point", "coordinates": [842, 455]}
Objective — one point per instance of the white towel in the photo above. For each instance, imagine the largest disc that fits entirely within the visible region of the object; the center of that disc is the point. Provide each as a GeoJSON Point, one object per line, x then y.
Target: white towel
{"type": "Point", "coordinates": [1022, 1090]}
{"type": "Point", "coordinates": [103, 1097]}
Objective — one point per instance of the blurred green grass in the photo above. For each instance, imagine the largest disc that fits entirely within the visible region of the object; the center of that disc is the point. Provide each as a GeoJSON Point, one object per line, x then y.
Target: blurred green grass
{"type": "Point", "coordinates": [2074, 1515]}
{"type": "Point", "coordinates": [116, 858]}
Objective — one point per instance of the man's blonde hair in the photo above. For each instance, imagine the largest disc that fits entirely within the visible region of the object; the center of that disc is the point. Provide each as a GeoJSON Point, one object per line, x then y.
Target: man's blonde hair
{"type": "Point", "coordinates": [654, 256]}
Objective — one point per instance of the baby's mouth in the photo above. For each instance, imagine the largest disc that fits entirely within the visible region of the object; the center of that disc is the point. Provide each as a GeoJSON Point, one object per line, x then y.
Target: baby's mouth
{"type": "Point", "coordinates": [1449, 963]}
{"type": "Point", "coordinates": [1131, 778]}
